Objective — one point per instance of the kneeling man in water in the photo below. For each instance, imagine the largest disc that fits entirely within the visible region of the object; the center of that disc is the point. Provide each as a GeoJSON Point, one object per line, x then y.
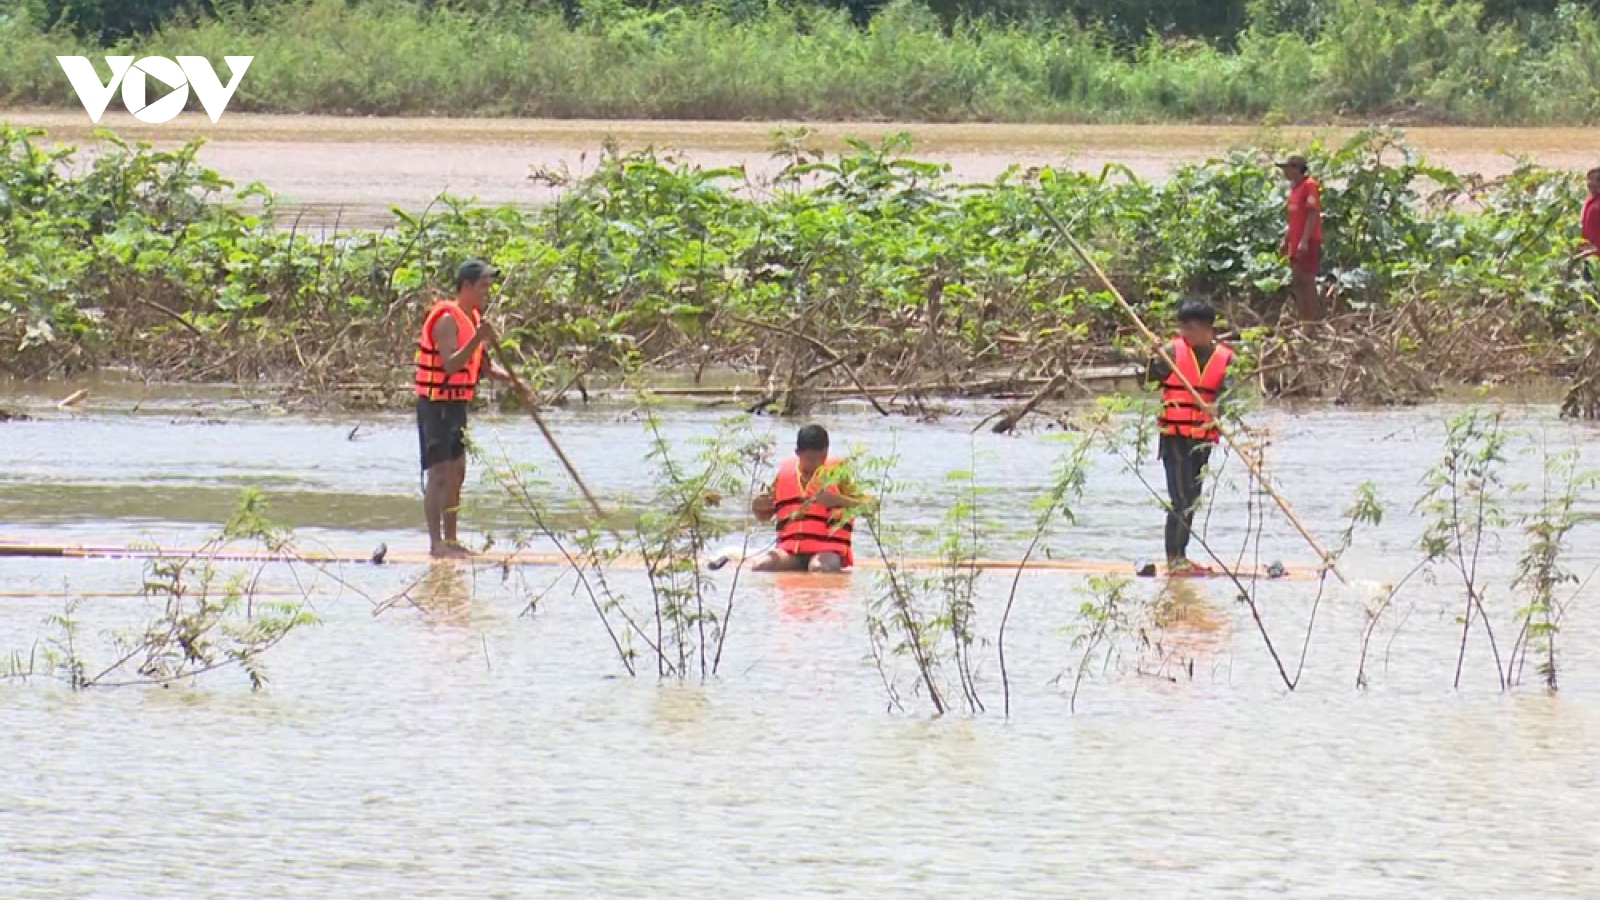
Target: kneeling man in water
{"type": "Point", "coordinates": [813, 504]}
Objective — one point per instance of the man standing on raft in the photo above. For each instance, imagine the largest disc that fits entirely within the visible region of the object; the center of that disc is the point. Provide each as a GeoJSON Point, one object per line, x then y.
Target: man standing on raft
{"type": "Point", "coordinates": [812, 503]}
{"type": "Point", "coordinates": [449, 361]}
{"type": "Point", "coordinates": [1188, 432]}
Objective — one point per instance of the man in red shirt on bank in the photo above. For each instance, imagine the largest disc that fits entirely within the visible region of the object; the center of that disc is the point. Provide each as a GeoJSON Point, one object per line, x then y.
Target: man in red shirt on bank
{"type": "Point", "coordinates": [1591, 218]}
{"type": "Point", "coordinates": [1303, 243]}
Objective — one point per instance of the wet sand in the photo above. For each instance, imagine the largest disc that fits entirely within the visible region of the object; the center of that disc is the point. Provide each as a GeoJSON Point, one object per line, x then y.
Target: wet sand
{"type": "Point", "coordinates": [351, 170]}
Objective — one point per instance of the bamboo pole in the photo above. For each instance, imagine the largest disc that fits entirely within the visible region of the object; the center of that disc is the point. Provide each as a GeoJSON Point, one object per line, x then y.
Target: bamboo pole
{"type": "Point", "coordinates": [1161, 349]}
{"type": "Point", "coordinates": [533, 409]}
{"type": "Point", "coordinates": [329, 556]}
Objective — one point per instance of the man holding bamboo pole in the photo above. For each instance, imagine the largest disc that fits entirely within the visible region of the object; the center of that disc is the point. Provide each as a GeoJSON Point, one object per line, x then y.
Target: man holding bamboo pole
{"type": "Point", "coordinates": [1328, 562]}
{"type": "Point", "coordinates": [1188, 431]}
{"type": "Point", "coordinates": [449, 361]}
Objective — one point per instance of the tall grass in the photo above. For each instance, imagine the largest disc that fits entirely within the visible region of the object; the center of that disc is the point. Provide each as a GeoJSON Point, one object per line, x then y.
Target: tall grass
{"type": "Point", "coordinates": [1431, 61]}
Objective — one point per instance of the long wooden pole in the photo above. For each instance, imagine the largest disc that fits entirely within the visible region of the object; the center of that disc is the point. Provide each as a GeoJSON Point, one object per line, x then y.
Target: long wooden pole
{"type": "Point", "coordinates": [516, 558]}
{"type": "Point", "coordinates": [533, 408]}
{"type": "Point", "coordinates": [1160, 347]}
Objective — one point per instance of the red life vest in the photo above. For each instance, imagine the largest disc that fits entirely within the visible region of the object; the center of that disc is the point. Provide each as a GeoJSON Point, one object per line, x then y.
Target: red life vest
{"type": "Point", "coordinates": [431, 381]}
{"type": "Point", "coordinates": [1180, 414]}
{"type": "Point", "coordinates": [809, 528]}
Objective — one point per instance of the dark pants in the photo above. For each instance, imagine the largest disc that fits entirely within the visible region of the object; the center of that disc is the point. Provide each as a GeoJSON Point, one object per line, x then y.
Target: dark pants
{"type": "Point", "coordinates": [1185, 461]}
{"type": "Point", "coordinates": [441, 431]}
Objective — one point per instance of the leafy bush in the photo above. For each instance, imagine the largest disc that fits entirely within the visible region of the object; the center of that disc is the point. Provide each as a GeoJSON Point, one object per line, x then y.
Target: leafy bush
{"type": "Point", "coordinates": [138, 259]}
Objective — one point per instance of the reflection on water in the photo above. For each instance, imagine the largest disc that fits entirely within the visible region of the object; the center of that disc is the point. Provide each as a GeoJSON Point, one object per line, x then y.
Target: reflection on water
{"type": "Point", "coordinates": [681, 712]}
{"type": "Point", "coordinates": [1187, 628]}
{"type": "Point", "coordinates": [444, 595]}
{"type": "Point", "coordinates": [457, 744]}
{"type": "Point", "coordinates": [803, 597]}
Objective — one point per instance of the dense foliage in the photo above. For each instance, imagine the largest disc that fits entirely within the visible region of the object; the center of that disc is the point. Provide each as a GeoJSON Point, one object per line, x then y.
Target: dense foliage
{"type": "Point", "coordinates": [869, 262]}
{"type": "Point", "coordinates": [1221, 20]}
{"type": "Point", "coordinates": [956, 60]}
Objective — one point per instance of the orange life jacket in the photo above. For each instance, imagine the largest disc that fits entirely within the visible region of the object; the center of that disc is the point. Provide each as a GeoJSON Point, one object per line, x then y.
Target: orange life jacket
{"type": "Point", "coordinates": [809, 528]}
{"type": "Point", "coordinates": [1180, 414]}
{"type": "Point", "coordinates": [431, 381]}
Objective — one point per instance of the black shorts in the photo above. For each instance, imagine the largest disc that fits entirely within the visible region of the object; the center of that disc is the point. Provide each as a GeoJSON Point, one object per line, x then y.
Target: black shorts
{"type": "Point", "coordinates": [441, 430]}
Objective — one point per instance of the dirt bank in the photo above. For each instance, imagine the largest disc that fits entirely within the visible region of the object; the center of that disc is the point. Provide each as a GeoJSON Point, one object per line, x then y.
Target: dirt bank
{"type": "Point", "coordinates": [351, 170]}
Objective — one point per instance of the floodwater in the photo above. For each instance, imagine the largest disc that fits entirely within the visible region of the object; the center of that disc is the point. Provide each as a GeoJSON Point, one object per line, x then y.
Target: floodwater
{"type": "Point", "coordinates": [458, 748]}
{"type": "Point", "coordinates": [350, 171]}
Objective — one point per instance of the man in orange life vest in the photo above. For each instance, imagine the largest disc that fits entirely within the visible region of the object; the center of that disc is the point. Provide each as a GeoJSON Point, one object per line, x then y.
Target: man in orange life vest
{"type": "Point", "coordinates": [812, 503]}
{"type": "Point", "coordinates": [1187, 430]}
{"type": "Point", "coordinates": [1302, 242]}
{"type": "Point", "coordinates": [449, 361]}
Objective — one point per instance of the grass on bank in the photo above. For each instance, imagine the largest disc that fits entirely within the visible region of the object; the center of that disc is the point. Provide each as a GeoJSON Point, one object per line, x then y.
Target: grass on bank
{"type": "Point", "coordinates": [1432, 61]}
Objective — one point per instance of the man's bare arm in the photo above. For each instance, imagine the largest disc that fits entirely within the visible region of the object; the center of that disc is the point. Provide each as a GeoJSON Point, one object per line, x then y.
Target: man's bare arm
{"type": "Point", "coordinates": [455, 358]}
{"type": "Point", "coordinates": [1313, 222]}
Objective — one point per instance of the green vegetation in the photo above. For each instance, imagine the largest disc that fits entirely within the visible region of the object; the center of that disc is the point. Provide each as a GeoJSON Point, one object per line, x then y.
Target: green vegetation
{"type": "Point", "coordinates": [683, 625]}
{"type": "Point", "coordinates": [203, 617]}
{"type": "Point", "coordinates": [1466, 506]}
{"type": "Point", "coordinates": [935, 632]}
{"type": "Point", "coordinates": [956, 60]}
{"type": "Point", "coordinates": [858, 270]}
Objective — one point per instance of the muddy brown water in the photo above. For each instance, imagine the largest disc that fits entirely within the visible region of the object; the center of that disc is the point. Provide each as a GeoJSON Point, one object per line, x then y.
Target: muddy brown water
{"type": "Point", "coordinates": [349, 171]}
{"type": "Point", "coordinates": [458, 748]}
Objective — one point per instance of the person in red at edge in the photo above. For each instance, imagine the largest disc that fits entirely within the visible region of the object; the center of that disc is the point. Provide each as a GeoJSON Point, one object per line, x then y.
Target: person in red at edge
{"type": "Point", "coordinates": [813, 504]}
{"type": "Point", "coordinates": [1591, 219]}
{"type": "Point", "coordinates": [1303, 242]}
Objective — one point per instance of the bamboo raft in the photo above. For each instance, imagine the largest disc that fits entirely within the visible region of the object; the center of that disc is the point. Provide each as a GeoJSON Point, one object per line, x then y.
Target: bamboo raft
{"type": "Point", "coordinates": [530, 559]}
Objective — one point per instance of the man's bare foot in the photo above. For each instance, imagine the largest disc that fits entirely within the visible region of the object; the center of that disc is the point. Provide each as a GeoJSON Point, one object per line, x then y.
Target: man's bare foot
{"type": "Point", "coordinates": [449, 551]}
{"type": "Point", "coordinates": [826, 564]}
{"type": "Point", "coordinates": [1184, 568]}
